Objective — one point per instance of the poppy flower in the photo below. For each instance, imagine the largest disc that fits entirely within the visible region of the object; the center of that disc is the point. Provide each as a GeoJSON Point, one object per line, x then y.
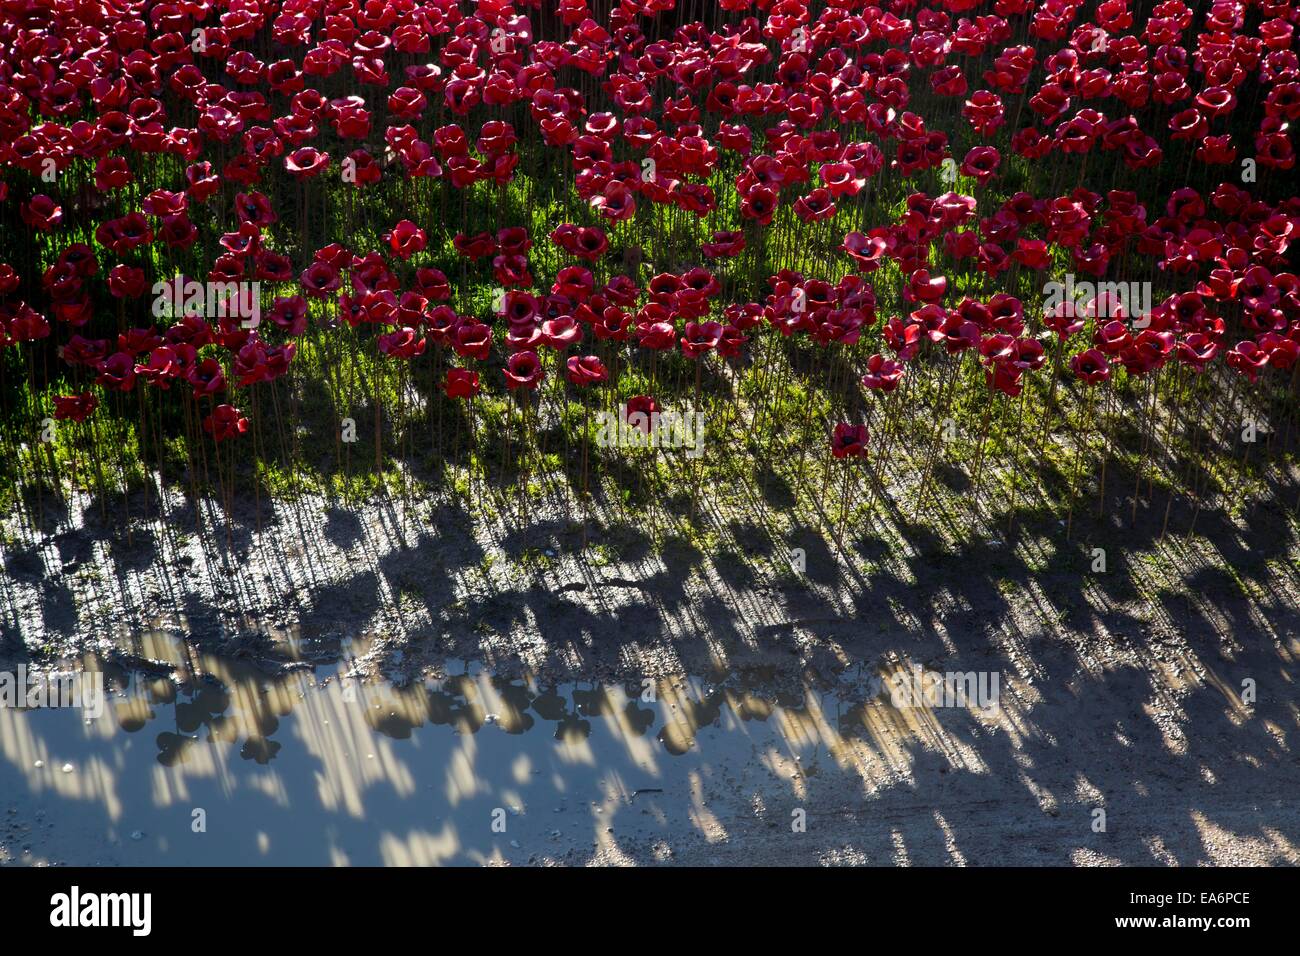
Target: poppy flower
{"type": "Point", "coordinates": [207, 377]}
{"type": "Point", "coordinates": [433, 284]}
{"type": "Point", "coordinates": [472, 340]}
{"type": "Point", "coordinates": [585, 370]}
{"type": "Point", "coordinates": [406, 239]}
{"type": "Point", "coordinates": [816, 206]}
{"type": "Point", "coordinates": [759, 203]}
{"type": "Point", "coordinates": [524, 370]}
{"type": "Point", "coordinates": [224, 422]}
{"type": "Point", "coordinates": [117, 372]}
{"type": "Point", "coordinates": [1065, 319]}
{"type": "Point", "coordinates": [560, 333]}
{"type": "Point", "coordinates": [641, 411]}
{"type": "Point", "coordinates": [1091, 367]}
{"type": "Point", "coordinates": [574, 283]}
{"type": "Point", "coordinates": [586, 242]}
{"type": "Point", "coordinates": [924, 287]}
{"type": "Point", "coordinates": [1112, 337]}
{"type": "Point", "coordinates": [981, 163]}
{"type": "Point", "coordinates": [1248, 359]}
{"type": "Point", "coordinates": [126, 282]}
{"type": "Point", "coordinates": [1198, 350]}
{"type": "Point", "coordinates": [656, 335]}
{"type": "Point", "coordinates": [849, 441]}
{"type": "Point", "coordinates": [732, 343]}
{"type": "Point", "coordinates": [882, 373]}
{"type": "Point", "coordinates": [163, 366]}
{"type": "Point", "coordinates": [511, 270]}
{"type": "Point", "coordinates": [255, 208]}
{"type": "Point", "coordinates": [903, 337]}
{"type": "Point", "coordinates": [41, 212]}
{"type": "Point", "coordinates": [112, 172]}
{"type": "Point", "coordinates": [867, 251]}
{"type": "Point", "coordinates": [724, 245]}
{"type": "Point", "coordinates": [841, 179]}
{"type": "Point", "coordinates": [615, 202]}
{"type": "Point", "coordinates": [1282, 352]}
{"type": "Point", "coordinates": [701, 338]}
{"type": "Point", "coordinates": [75, 408]}
{"type": "Point", "coordinates": [403, 343]}
{"type": "Point", "coordinates": [461, 383]}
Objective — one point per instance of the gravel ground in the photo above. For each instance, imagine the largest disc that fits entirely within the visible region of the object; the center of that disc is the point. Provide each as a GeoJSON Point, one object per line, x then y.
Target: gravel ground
{"type": "Point", "coordinates": [1161, 689]}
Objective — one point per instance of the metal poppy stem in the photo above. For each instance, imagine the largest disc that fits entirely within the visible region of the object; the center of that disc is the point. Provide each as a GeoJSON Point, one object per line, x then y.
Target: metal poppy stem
{"type": "Point", "coordinates": [844, 508]}
{"type": "Point", "coordinates": [699, 418]}
{"type": "Point", "coordinates": [1078, 457]}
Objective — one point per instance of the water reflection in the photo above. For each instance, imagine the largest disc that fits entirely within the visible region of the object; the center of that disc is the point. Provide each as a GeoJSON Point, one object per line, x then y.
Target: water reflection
{"type": "Point", "coordinates": [319, 768]}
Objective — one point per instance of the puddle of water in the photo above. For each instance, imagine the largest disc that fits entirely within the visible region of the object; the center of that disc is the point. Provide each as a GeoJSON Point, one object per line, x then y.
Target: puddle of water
{"type": "Point", "coordinates": [232, 767]}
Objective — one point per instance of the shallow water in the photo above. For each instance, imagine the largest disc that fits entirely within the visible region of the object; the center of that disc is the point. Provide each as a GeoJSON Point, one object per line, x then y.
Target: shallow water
{"type": "Point", "coordinates": [321, 769]}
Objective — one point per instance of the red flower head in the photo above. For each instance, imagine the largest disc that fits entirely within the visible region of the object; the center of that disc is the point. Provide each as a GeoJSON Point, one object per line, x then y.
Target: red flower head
{"type": "Point", "coordinates": [560, 333]}
{"type": "Point", "coordinates": [586, 242]}
{"type": "Point", "coordinates": [903, 337]}
{"type": "Point", "coordinates": [575, 283]}
{"type": "Point", "coordinates": [406, 239]}
{"type": "Point", "coordinates": [207, 377]}
{"type": "Point", "coordinates": [587, 370]}
{"type": "Point", "coordinates": [640, 411]}
{"type": "Point", "coordinates": [925, 288]}
{"type": "Point", "coordinates": [841, 179]}
{"type": "Point", "coordinates": [1004, 377]}
{"type": "Point", "coordinates": [117, 372]}
{"type": "Point", "coordinates": [615, 202]}
{"type": "Point", "coordinates": [320, 280]}
{"type": "Point", "coordinates": [524, 370]}
{"type": "Point", "coordinates": [225, 422]}
{"type": "Point", "coordinates": [403, 343]}
{"type": "Point", "coordinates": [849, 441]}
{"type": "Point", "coordinates": [472, 340]}
{"type": "Point", "coordinates": [76, 408]}
{"type": "Point", "coordinates": [461, 383]}
{"type": "Point", "coordinates": [126, 282]}
{"type": "Point", "coordinates": [1248, 359]}
{"type": "Point", "coordinates": [816, 206]}
{"type": "Point", "coordinates": [981, 163]}
{"type": "Point", "coordinates": [41, 212]}
{"type": "Point", "coordinates": [1091, 367]}
{"type": "Point", "coordinates": [759, 203]}
{"type": "Point", "coordinates": [701, 338]}
{"type": "Point", "coordinates": [868, 251]}
{"type": "Point", "coordinates": [882, 373]}
{"type": "Point", "coordinates": [724, 244]}
{"type": "Point", "coordinates": [432, 284]}
{"type": "Point", "coordinates": [290, 314]}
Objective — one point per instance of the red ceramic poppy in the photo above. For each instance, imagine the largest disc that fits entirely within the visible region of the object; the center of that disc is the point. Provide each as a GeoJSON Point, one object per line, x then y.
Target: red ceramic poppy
{"type": "Point", "coordinates": [225, 422]}
{"type": "Point", "coordinates": [461, 383]}
{"type": "Point", "coordinates": [524, 370]}
{"type": "Point", "coordinates": [585, 370]}
{"type": "Point", "coordinates": [1091, 367]}
{"type": "Point", "coordinates": [75, 408]}
{"type": "Point", "coordinates": [882, 373]}
{"type": "Point", "coordinates": [849, 441]}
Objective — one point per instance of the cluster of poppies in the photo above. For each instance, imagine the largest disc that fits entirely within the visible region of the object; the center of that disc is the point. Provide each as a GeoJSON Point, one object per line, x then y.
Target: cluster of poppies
{"type": "Point", "coordinates": [139, 141]}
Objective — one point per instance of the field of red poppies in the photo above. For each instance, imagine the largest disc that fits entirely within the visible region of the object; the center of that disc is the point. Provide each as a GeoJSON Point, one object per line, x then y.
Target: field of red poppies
{"type": "Point", "coordinates": [646, 258]}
